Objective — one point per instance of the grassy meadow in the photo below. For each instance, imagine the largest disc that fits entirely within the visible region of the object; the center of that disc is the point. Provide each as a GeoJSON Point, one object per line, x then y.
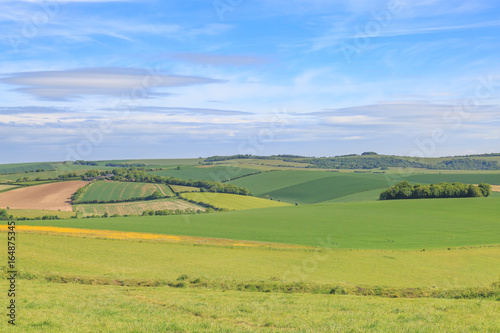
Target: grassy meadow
{"type": "Point", "coordinates": [86, 308]}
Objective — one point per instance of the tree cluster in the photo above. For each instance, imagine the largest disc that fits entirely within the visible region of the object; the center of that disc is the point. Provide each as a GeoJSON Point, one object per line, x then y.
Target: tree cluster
{"type": "Point", "coordinates": [405, 190]}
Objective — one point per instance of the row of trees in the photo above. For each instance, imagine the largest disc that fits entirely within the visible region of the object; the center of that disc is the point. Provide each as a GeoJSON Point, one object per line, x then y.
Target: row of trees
{"type": "Point", "coordinates": [405, 190]}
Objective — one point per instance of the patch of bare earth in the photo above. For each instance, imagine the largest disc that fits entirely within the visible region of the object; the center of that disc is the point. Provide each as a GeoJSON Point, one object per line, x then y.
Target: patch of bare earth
{"type": "Point", "coordinates": [54, 196]}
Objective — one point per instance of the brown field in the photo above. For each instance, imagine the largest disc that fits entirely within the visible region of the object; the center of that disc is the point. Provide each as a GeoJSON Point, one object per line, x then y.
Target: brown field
{"type": "Point", "coordinates": [495, 188]}
{"type": "Point", "coordinates": [134, 208]}
{"type": "Point", "coordinates": [54, 196]}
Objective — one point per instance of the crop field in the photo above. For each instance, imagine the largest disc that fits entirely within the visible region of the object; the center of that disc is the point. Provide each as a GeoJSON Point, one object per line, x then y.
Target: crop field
{"type": "Point", "coordinates": [34, 213]}
{"type": "Point", "coordinates": [23, 167]}
{"type": "Point", "coordinates": [183, 189]}
{"type": "Point", "coordinates": [54, 196]}
{"type": "Point", "coordinates": [232, 201]}
{"type": "Point", "coordinates": [212, 173]}
{"type": "Point", "coordinates": [134, 208]}
{"type": "Point", "coordinates": [107, 191]}
{"type": "Point", "coordinates": [395, 225]}
{"type": "Point", "coordinates": [310, 186]}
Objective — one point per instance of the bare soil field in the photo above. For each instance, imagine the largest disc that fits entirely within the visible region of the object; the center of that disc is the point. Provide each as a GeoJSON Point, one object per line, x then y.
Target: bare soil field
{"type": "Point", "coordinates": [54, 196]}
{"type": "Point", "coordinates": [495, 188]}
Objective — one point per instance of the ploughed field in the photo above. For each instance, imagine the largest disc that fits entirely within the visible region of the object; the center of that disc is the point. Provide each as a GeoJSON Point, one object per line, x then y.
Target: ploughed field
{"type": "Point", "coordinates": [53, 196]}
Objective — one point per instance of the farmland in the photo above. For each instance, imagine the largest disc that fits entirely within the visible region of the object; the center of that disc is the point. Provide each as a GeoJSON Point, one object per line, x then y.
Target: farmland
{"type": "Point", "coordinates": [339, 260]}
{"type": "Point", "coordinates": [55, 196]}
{"type": "Point", "coordinates": [134, 208]}
{"type": "Point", "coordinates": [118, 191]}
{"type": "Point", "coordinates": [395, 225]}
{"type": "Point", "coordinates": [232, 201]}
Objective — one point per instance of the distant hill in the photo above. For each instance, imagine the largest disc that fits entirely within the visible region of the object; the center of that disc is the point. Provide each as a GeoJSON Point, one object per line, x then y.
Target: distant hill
{"type": "Point", "coordinates": [371, 160]}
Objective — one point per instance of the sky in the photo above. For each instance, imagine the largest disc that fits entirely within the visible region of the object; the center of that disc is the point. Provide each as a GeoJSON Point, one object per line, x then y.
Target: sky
{"type": "Point", "coordinates": [112, 79]}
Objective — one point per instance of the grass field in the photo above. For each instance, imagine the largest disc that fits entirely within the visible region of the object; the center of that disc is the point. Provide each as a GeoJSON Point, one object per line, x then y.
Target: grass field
{"type": "Point", "coordinates": [232, 201]}
{"type": "Point", "coordinates": [43, 255]}
{"type": "Point", "coordinates": [78, 308]}
{"type": "Point", "coordinates": [107, 191]}
{"type": "Point", "coordinates": [395, 224]}
{"type": "Point", "coordinates": [134, 208]}
{"type": "Point", "coordinates": [212, 173]}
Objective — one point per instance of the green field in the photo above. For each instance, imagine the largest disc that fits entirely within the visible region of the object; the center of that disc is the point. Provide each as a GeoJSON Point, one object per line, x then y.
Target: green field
{"type": "Point", "coordinates": [397, 224]}
{"type": "Point", "coordinates": [308, 187]}
{"type": "Point", "coordinates": [216, 173]}
{"type": "Point", "coordinates": [108, 191]}
{"type": "Point", "coordinates": [232, 201]}
{"type": "Point", "coordinates": [23, 167]}
{"type": "Point", "coordinates": [134, 208]}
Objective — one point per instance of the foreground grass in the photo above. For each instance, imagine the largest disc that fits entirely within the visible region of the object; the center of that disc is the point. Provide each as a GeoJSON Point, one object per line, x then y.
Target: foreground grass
{"type": "Point", "coordinates": [394, 225]}
{"type": "Point", "coordinates": [51, 307]}
{"type": "Point", "coordinates": [64, 256]}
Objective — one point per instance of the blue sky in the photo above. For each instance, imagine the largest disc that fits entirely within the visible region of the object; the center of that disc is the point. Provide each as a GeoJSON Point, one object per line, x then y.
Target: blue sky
{"type": "Point", "coordinates": [101, 79]}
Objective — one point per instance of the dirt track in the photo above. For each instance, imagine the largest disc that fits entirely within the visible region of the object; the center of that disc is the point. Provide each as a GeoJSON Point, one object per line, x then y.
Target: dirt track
{"type": "Point", "coordinates": [55, 196]}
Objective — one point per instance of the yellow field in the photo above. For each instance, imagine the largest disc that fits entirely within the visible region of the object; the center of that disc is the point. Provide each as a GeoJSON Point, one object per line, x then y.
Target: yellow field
{"type": "Point", "coordinates": [232, 201]}
{"type": "Point", "coordinates": [134, 208]}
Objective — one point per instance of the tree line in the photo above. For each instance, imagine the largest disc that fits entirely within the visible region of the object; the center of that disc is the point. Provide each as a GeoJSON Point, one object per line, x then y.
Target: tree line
{"type": "Point", "coordinates": [405, 190]}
